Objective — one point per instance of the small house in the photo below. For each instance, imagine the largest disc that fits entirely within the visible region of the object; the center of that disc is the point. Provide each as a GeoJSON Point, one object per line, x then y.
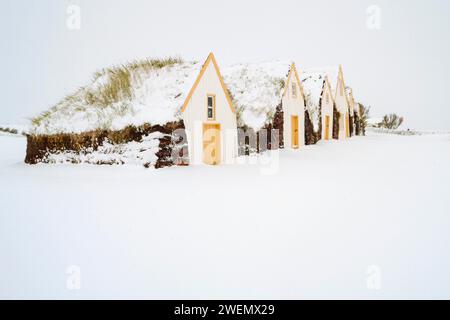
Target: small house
{"type": "Point", "coordinates": [154, 112]}
{"type": "Point", "coordinates": [269, 103]}
{"type": "Point", "coordinates": [319, 102]}
{"type": "Point", "coordinates": [355, 127]}
{"type": "Point", "coordinates": [210, 117]}
{"type": "Point", "coordinates": [341, 100]}
{"type": "Point", "coordinates": [335, 78]}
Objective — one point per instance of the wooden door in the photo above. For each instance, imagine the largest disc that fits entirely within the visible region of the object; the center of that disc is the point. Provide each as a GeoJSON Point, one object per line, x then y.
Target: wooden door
{"type": "Point", "coordinates": [211, 143]}
{"type": "Point", "coordinates": [347, 125]}
{"type": "Point", "coordinates": [294, 129]}
{"type": "Point", "coordinates": [327, 127]}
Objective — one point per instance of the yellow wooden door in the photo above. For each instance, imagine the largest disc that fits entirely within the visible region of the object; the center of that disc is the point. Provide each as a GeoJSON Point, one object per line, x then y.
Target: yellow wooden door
{"type": "Point", "coordinates": [211, 143]}
{"type": "Point", "coordinates": [327, 127]}
{"type": "Point", "coordinates": [347, 125]}
{"type": "Point", "coordinates": [294, 129]}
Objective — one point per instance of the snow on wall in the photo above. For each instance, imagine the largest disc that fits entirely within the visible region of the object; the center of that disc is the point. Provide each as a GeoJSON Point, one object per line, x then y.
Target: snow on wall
{"type": "Point", "coordinates": [256, 89]}
{"type": "Point", "coordinates": [137, 153]}
{"type": "Point", "coordinates": [157, 95]}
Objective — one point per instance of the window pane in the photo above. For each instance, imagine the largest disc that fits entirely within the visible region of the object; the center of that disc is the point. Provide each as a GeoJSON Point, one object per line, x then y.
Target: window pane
{"type": "Point", "coordinates": [210, 107]}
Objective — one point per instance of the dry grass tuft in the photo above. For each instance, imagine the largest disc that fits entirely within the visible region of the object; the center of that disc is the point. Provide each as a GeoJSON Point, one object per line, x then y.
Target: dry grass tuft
{"type": "Point", "coordinates": [109, 86]}
{"type": "Point", "coordinates": [115, 87]}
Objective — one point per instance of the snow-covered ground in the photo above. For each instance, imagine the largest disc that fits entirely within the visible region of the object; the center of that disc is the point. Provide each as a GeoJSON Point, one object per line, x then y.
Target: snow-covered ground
{"type": "Point", "coordinates": [363, 218]}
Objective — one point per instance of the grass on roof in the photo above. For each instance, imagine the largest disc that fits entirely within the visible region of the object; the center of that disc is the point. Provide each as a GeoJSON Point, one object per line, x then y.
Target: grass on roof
{"type": "Point", "coordinates": [115, 86]}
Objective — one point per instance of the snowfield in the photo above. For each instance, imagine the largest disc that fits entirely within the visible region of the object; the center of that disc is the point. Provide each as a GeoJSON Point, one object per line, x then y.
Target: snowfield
{"type": "Point", "coordinates": [364, 218]}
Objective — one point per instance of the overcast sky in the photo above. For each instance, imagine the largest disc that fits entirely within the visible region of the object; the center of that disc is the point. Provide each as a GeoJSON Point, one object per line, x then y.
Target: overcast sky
{"type": "Point", "coordinates": [401, 67]}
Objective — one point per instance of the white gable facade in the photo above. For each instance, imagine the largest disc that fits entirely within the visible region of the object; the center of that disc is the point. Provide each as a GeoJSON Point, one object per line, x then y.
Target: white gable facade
{"type": "Point", "coordinates": [210, 119]}
{"type": "Point", "coordinates": [327, 104]}
{"type": "Point", "coordinates": [351, 101]}
{"type": "Point", "coordinates": [293, 103]}
{"type": "Point", "coordinates": [342, 106]}
{"type": "Point", "coordinates": [319, 101]}
{"type": "Point", "coordinates": [352, 106]}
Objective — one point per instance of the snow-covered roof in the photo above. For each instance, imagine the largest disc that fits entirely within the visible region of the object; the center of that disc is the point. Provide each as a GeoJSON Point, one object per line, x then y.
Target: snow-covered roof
{"type": "Point", "coordinates": [140, 93]}
{"type": "Point", "coordinates": [332, 73]}
{"type": "Point", "coordinates": [256, 90]}
{"type": "Point", "coordinates": [351, 98]}
{"type": "Point", "coordinates": [348, 90]}
{"type": "Point", "coordinates": [313, 83]}
{"type": "Point", "coordinates": [312, 86]}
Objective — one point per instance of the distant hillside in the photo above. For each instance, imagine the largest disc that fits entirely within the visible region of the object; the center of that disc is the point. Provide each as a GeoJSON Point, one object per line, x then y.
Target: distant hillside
{"type": "Point", "coordinates": [14, 129]}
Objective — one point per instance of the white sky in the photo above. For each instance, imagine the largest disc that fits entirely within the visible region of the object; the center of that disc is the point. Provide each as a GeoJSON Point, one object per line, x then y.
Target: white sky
{"type": "Point", "coordinates": [404, 67]}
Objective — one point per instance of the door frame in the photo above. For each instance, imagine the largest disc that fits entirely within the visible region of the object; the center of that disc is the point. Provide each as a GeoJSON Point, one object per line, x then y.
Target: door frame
{"type": "Point", "coordinates": [217, 135]}
{"type": "Point", "coordinates": [294, 137]}
{"type": "Point", "coordinates": [347, 125]}
{"type": "Point", "coordinates": [327, 127]}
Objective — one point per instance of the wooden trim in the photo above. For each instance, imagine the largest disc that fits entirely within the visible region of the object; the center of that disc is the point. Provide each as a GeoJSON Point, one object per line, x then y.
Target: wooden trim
{"type": "Point", "coordinates": [199, 77]}
{"type": "Point", "coordinates": [347, 125]}
{"type": "Point", "coordinates": [297, 77]}
{"type": "Point", "coordinates": [293, 70]}
{"type": "Point", "coordinates": [222, 83]}
{"type": "Point", "coordinates": [333, 99]}
{"type": "Point", "coordinates": [208, 95]}
{"type": "Point", "coordinates": [341, 73]}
